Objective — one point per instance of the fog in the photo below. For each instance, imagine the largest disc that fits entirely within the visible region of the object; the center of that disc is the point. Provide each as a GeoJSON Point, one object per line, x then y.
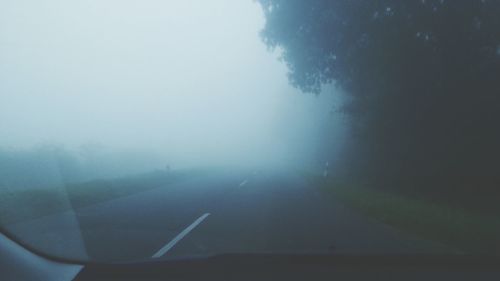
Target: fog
{"type": "Point", "coordinates": [188, 82]}
{"type": "Point", "coordinates": [272, 115]}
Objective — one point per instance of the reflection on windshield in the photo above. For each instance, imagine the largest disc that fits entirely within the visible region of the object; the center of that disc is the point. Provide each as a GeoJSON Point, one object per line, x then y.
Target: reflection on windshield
{"type": "Point", "coordinates": [149, 130]}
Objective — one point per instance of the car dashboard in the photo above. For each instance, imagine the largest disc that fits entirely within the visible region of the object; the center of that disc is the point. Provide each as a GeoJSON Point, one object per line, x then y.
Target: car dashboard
{"type": "Point", "coordinates": [19, 263]}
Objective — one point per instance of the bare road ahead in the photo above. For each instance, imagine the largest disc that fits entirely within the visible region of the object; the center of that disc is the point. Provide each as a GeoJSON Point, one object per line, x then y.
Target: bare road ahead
{"type": "Point", "coordinates": [225, 212]}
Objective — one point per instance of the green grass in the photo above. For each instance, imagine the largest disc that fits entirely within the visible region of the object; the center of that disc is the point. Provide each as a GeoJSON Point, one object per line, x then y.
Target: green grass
{"type": "Point", "coordinates": [20, 205]}
{"type": "Point", "coordinates": [461, 229]}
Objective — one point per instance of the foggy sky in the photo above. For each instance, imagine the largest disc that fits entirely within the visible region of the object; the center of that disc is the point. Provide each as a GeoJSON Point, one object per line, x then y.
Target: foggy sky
{"type": "Point", "coordinates": [190, 80]}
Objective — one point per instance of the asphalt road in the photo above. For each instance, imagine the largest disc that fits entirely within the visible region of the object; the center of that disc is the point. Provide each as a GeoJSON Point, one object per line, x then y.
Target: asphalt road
{"type": "Point", "coordinates": [232, 212]}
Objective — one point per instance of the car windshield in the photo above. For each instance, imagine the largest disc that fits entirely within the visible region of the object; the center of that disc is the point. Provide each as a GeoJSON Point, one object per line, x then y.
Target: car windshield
{"type": "Point", "coordinates": [141, 130]}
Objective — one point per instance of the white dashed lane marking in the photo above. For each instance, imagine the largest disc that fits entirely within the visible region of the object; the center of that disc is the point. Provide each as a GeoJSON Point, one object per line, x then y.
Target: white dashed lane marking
{"type": "Point", "coordinates": [178, 238]}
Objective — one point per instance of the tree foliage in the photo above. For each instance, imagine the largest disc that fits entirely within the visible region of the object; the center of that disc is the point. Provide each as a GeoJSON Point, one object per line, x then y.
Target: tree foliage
{"type": "Point", "coordinates": [423, 76]}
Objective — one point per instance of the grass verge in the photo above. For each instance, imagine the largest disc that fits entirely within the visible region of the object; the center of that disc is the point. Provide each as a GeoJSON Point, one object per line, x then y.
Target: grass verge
{"type": "Point", "coordinates": [458, 228]}
{"type": "Point", "coordinates": [20, 205]}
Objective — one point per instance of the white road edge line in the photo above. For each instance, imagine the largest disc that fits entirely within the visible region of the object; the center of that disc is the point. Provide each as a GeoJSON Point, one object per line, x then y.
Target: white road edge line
{"type": "Point", "coordinates": [178, 238]}
{"type": "Point", "coordinates": [243, 183]}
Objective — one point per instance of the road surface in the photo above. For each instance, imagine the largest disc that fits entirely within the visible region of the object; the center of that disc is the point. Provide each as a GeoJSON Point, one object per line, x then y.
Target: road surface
{"type": "Point", "coordinates": [232, 212]}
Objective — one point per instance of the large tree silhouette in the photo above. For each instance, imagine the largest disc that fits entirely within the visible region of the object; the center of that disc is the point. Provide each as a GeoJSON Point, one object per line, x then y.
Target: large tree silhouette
{"type": "Point", "coordinates": [423, 77]}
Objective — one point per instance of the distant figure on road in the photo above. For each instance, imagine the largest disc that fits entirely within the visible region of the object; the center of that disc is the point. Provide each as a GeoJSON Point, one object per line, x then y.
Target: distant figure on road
{"type": "Point", "coordinates": [325, 172]}
{"type": "Point", "coordinates": [167, 168]}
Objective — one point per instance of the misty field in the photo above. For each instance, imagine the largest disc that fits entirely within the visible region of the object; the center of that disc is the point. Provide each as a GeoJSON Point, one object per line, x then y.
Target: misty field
{"type": "Point", "coordinates": [31, 203]}
{"type": "Point", "coordinates": [466, 230]}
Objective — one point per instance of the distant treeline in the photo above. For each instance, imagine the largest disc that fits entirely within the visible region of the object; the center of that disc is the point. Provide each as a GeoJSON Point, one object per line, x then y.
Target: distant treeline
{"type": "Point", "coordinates": [423, 84]}
{"type": "Point", "coordinates": [54, 165]}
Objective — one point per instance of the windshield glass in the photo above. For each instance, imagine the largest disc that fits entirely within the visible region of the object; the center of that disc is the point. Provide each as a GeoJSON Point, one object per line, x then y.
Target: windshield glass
{"type": "Point", "coordinates": [134, 130]}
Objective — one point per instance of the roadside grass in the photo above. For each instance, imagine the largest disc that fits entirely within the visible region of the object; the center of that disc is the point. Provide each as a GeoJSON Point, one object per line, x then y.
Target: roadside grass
{"type": "Point", "coordinates": [20, 205]}
{"type": "Point", "coordinates": [461, 229]}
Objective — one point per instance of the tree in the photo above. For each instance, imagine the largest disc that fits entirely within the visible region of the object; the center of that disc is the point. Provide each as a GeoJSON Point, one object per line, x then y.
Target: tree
{"type": "Point", "coordinates": [422, 76]}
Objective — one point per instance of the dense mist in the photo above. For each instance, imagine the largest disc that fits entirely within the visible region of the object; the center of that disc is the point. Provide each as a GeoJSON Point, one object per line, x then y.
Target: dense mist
{"type": "Point", "coordinates": [346, 127]}
{"type": "Point", "coordinates": [177, 83]}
